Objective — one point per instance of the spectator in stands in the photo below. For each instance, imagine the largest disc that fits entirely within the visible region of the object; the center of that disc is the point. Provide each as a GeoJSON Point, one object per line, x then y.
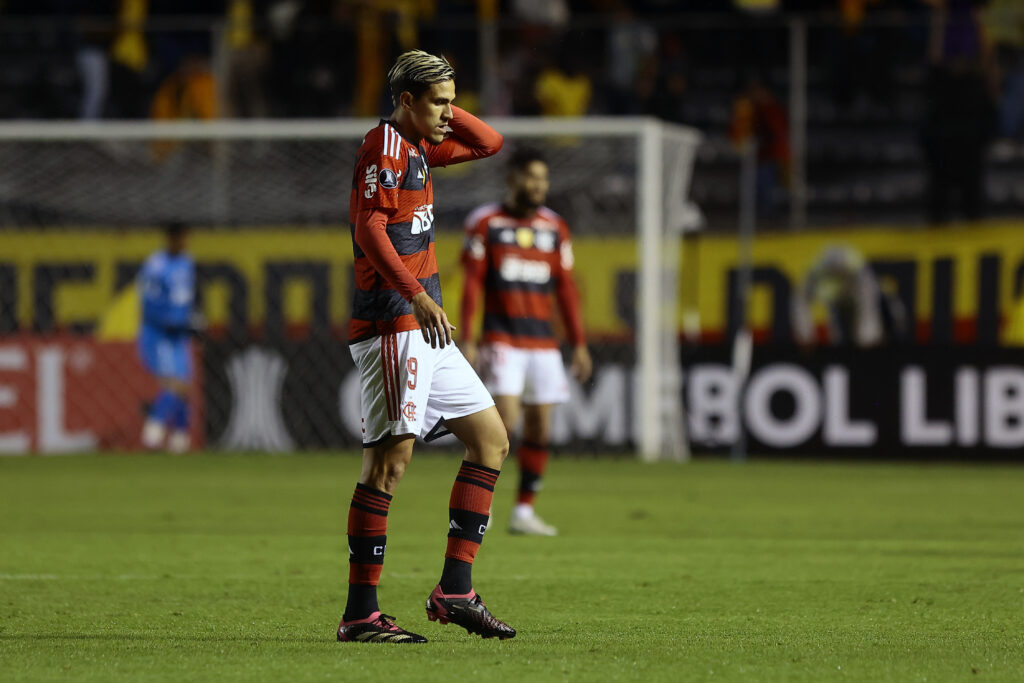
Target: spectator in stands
{"type": "Point", "coordinates": [671, 82]}
{"type": "Point", "coordinates": [1004, 23]}
{"type": "Point", "coordinates": [92, 55]}
{"type": "Point", "coordinates": [632, 44]}
{"type": "Point", "coordinates": [553, 13]}
{"type": "Point", "coordinates": [129, 59]}
{"type": "Point", "coordinates": [960, 110]}
{"type": "Point", "coordinates": [861, 54]}
{"type": "Point", "coordinates": [758, 118]}
{"type": "Point", "coordinates": [188, 93]}
{"type": "Point", "coordinates": [564, 88]}
{"type": "Point", "coordinates": [322, 60]}
{"type": "Point", "coordinates": [860, 312]}
{"type": "Point", "coordinates": [246, 60]}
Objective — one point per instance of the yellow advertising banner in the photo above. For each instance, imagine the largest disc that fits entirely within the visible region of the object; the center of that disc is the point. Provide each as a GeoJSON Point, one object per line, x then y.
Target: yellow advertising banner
{"type": "Point", "coordinates": [61, 279]}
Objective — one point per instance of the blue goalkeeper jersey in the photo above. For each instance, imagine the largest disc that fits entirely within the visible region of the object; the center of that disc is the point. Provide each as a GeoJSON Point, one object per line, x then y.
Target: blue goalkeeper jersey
{"type": "Point", "coordinates": [167, 285]}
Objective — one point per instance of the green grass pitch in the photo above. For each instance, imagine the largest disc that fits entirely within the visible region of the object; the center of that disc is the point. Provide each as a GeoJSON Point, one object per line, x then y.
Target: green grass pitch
{"type": "Point", "coordinates": [220, 567]}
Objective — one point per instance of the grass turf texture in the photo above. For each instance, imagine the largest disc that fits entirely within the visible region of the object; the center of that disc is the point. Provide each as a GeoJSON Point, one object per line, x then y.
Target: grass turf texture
{"type": "Point", "coordinates": [234, 568]}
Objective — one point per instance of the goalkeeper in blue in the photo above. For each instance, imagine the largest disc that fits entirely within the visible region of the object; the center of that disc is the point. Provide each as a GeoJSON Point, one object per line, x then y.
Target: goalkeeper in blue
{"type": "Point", "coordinates": [166, 285]}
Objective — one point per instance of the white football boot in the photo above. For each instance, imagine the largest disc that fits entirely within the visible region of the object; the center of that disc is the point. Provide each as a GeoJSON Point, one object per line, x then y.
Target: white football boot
{"type": "Point", "coordinates": [178, 442]}
{"type": "Point", "coordinates": [525, 521]}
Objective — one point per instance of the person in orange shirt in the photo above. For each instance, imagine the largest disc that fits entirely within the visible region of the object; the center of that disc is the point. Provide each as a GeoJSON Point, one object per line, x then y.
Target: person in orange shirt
{"type": "Point", "coordinates": [760, 119]}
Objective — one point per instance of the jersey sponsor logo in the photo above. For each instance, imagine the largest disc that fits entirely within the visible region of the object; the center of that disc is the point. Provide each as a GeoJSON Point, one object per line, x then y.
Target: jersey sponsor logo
{"type": "Point", "coordinates": [370, 178]}
{"type": "Point", "coordinates": [515, 269]}
{"type": "Point", "coordinates": [423, 219]}
{"type": "Point", "coordinates": [545, 240]}
{"type": "Point", "coordinates": [389, 179]}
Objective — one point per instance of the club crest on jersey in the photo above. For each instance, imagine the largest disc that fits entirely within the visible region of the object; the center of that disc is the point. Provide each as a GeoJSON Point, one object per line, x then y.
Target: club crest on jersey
{"type": "Point", "coordinates": [524, 237]}
{"type": "Point", "coordinates": [389, 178]}
{"type": "Point", "coordinates": [409, 410]}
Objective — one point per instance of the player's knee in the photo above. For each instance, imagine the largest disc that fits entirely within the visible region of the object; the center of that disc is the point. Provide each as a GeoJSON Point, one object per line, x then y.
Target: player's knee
{"type": "Point", "coordinates": [495, 451]}
{"type": "Point", "coordinates": [385, 475]}
{"type": "Point", "coordinates": [392, 474]}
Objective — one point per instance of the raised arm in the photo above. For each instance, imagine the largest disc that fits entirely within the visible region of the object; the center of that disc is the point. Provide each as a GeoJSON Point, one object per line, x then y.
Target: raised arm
{"type": "Point", "coordinates": [470, 139]}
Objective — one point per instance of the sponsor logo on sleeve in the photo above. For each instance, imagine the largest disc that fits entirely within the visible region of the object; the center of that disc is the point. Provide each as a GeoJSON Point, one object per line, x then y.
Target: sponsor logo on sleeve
{"type": "Point", "coordinates": [370, 179]}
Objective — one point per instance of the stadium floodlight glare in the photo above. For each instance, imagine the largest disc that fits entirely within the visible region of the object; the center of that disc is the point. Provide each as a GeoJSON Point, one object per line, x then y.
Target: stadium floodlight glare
{"type": "Point", "coordinates": [620, 177]}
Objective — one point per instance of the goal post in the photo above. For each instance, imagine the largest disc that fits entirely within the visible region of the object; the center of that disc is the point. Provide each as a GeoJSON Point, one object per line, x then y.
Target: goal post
{"type": "Point", "coordinates": [621, 180]}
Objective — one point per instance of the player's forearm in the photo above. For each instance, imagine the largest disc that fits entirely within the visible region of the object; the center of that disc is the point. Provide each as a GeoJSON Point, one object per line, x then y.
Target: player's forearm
{"type": "Point", "coordinates": [371, 236]}
{"type": "Point", "coordinates": [472, 290]}
{"type": "Point", "coordinates": [483, 140]}
{"type": "Point", "coordinates": [569, 303]}
{"type": "Point", "coordinates": [470, 301]}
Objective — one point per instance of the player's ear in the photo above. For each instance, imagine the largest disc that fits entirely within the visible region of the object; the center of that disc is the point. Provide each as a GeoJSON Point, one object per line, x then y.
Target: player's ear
{"type": "Point", "coordinates": [405, 100]}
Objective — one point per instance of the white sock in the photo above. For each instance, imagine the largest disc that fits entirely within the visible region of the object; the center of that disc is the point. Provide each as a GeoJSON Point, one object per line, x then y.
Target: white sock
{"type": "Point", "coordinates": [153, 433]}
{"type": "Point", "coordinates": [522, 511]}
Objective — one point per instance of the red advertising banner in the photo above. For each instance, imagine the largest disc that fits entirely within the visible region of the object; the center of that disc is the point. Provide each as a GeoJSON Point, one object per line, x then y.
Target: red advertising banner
{"type": "Point", "coordinates": [65, 394]}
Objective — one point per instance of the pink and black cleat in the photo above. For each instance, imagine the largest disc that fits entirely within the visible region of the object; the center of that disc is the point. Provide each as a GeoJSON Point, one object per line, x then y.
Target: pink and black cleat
{"type": "Point", "coordinates": [376, 628]}
{"type": "Point", "coordinates": [469, 612]}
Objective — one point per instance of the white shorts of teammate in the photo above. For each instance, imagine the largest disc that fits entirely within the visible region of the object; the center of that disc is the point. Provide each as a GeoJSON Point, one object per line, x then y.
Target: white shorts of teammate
{"type": "Point", "coordinates": [406, 387]}
{"type": "Point", "coordinates": [536, 375]}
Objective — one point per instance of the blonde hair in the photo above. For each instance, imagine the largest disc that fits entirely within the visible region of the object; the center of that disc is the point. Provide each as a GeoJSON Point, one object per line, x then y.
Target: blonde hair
{"type": "Point", "coordinates": [415, 71]}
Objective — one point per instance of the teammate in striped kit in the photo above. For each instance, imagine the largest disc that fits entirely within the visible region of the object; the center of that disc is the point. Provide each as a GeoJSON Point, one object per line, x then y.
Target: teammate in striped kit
{"type": "Point", "coordinates": [517, 254]}
{"type": "Point", "coordinates": [414, 381]}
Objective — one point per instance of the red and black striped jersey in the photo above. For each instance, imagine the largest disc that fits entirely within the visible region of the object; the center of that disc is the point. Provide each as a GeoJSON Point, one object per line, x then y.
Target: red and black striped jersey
{"type": "Point", "coordinates": [392, 179]}
{"type": "Point", "coordinates": [519, 262]}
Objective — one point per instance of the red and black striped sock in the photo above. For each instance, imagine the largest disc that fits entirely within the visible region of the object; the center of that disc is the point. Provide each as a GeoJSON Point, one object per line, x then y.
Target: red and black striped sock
{"type": "Point", "coordinates": [467, 522]}
{"type": "Point", "coordinates": [367, 540]}
{"type": "Point", "coordinates": [533, 460]}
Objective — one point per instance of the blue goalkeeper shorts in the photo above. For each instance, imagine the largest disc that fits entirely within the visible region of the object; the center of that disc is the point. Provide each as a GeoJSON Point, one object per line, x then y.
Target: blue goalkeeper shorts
{"type": "Point", "coordinates": [168, 356]}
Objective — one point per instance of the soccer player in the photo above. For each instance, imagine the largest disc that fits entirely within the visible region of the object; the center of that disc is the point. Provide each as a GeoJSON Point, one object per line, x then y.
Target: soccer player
{"type": "Point", "coordinates": [166, 285]}
{"type": "Point", "coordinates": [517, 254]}
{"type": "Point", "coordinates": [414, 380]}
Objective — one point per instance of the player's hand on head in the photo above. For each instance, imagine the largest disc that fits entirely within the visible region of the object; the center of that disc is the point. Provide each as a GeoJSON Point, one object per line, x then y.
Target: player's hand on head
{"type": "Point", "coordinates": [582, 365]}
{"type": "Point", "coordinates": [433, 321]}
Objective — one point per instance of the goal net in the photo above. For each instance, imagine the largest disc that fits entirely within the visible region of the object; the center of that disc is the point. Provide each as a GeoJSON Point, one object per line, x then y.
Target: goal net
{"type": "Point", "coordinates": [81, 206]}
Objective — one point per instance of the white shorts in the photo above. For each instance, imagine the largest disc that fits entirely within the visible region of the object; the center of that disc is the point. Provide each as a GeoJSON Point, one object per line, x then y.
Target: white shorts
{"type": "Point", "coordinates": [406, 387]}
{"type": "Point", "coordinates": [536, 375]}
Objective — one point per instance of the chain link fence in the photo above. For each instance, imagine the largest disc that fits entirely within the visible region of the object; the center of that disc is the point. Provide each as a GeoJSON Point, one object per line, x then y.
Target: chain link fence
{"type": "Point", "coordinates": [81, 207]}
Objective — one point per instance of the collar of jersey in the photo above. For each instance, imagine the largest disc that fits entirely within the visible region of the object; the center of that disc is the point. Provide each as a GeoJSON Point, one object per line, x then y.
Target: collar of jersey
{"type": "Point", "coordinates": [388, 123]}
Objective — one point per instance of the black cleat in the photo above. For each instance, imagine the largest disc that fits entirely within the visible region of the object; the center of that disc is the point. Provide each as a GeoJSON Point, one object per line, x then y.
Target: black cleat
{"type": "Point", "coordinates": [469, 612]}
{"type": "Point", "coordinates": [376, 628]}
